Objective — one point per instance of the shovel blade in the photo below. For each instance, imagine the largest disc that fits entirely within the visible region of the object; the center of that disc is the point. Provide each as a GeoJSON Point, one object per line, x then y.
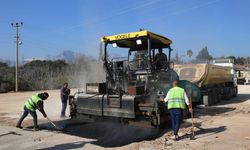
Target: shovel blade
{"type": "Point", "coordinates": [191, 137]}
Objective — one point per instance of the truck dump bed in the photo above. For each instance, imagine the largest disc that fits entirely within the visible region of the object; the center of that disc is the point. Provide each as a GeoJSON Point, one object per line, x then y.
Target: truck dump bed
{"type": "Point", "coordinates": [203, 74]}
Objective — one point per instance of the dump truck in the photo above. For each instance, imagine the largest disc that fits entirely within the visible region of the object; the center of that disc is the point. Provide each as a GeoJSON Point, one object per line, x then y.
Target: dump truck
{"type": "Point", "coordinates": [207, 83]}
{"type": "Point", "coordinates": [133, 83]}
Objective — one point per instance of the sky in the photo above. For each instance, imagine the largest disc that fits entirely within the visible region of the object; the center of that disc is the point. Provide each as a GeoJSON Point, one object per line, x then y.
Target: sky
{"type": "Point", "coordinates": [53, 26]}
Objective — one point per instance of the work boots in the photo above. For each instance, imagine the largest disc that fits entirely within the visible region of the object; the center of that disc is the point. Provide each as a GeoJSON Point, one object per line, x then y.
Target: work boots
{"type": "Point", "coordinates": [18, 126]}
{"type": "Point", "coordinates": [175, 137]}
{"type": "Point", "coordinates": [36, 128]}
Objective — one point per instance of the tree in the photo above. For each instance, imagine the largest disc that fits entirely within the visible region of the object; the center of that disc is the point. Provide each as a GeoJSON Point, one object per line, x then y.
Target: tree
{"type": "Point", "coordinates": [177, 58]}
{"type": "Point", "coordinates": [241, 60]}
{"type": "Point", "coordinates": [7, 78]}
{"type": "Point", "coordinates": [233, 58]}
{"type": "Point", "coordinates": [204, 54]}
{"type": "Point", "coordinates": [189, 53]}
{"type": "Point", "coordinates": [2, 64]}
{"type": "Point", "coordinates": [45, 74]}
{"type": "Point", "coordinates": [222, 57]}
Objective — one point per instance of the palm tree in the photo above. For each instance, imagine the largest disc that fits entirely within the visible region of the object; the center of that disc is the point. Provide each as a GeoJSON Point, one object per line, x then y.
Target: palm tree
{"type": "Point", "coordinates": [190, 53]}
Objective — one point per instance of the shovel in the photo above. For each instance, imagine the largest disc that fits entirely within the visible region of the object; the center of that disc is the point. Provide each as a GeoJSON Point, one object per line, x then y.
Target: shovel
{"type": "Point", "coordinates": [60, 129]}
{"type": "Point", "coordinates": [192, 117]}
{"type": "Point", "coordinates": [192, 135]}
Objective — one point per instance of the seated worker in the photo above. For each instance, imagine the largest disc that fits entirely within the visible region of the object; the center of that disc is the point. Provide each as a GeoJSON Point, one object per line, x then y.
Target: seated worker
{"type": "Point", "coordinates": [160, 59]}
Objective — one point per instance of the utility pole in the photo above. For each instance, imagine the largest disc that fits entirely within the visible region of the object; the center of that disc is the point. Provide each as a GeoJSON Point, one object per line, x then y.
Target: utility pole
{"type": "Point", "coordinates": [17, 25]}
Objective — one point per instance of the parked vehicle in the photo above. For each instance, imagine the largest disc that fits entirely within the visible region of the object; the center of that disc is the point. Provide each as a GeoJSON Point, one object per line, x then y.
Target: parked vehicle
{"type": "Point", "coordinates": [208, 83]}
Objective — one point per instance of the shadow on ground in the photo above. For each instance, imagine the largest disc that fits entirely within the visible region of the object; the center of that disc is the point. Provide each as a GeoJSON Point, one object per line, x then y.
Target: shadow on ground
{"type": "Point", "coordinates": [203, 132]}
{"type": "Point", "coordinates": [239, 99]}
{"type": "Point", "coordinates": [219, 108]}
{"type": "Point", "coordinates": [104, 134]}
{"type": "Point", "coordinates": [211, 111]}
{"type": "Point", "coordinates": [10, 133]}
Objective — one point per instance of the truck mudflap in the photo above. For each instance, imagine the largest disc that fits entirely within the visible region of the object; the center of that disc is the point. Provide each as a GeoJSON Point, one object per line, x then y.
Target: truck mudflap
{"type": "Point", "coordinates": [103, 105]}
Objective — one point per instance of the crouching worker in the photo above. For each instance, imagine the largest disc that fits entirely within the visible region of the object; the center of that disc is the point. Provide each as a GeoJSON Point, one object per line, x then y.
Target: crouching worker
{"type": "Point", "coordinates": [30, 106]}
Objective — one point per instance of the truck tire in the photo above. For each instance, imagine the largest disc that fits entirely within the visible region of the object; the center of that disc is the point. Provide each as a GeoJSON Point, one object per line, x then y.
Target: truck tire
{"type": "Point", "coordinates": [218, 95]}
{"type": "Point", "coordinates": [214, 97]}
{"type": "Point", "coordinates": [235, 92]}
{"type": "Point", "coordinates": [227, 93]}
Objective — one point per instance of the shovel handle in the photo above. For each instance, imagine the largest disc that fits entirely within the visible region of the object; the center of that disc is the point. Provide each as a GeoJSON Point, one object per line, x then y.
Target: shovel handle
{"type": "Point", "coordinates": [192, 116]}
{"type": "Point", "coordinates": [51, 122]}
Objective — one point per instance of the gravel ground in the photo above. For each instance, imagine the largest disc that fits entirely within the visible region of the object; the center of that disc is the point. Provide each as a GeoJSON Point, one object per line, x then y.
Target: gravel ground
{"type": "Point", "coordinates": [224, 126]}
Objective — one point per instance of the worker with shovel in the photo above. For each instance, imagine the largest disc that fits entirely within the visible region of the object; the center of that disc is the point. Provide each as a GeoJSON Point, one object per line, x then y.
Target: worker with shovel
{"type": "Point", "coordinates": [176, 98]}
{"type": "Point", "coordinates": [30, 106]}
